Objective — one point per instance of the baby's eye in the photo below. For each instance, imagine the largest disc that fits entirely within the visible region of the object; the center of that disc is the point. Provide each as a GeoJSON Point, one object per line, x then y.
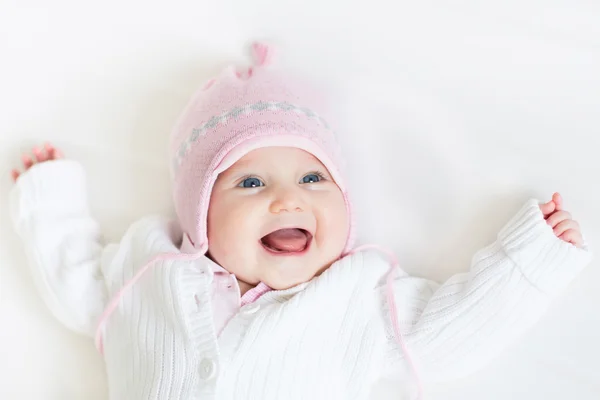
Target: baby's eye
{"type": "Point", "coordinates": [251, 183]}
{"type": "Point", "coordinates": [311, 178]}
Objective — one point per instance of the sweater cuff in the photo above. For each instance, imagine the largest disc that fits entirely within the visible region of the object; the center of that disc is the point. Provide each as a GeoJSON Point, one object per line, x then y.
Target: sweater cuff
{"type": "Point", "coordinates": [547, 262]}
{"type": "Point", "coordinates": [54, 187]}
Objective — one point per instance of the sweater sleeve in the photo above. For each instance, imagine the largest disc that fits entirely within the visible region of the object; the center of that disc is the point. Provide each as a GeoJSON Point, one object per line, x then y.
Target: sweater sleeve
{"type": "Point", "coordinates": [62, 242]}
{"type": "Point", "coordinates": [454, 329]}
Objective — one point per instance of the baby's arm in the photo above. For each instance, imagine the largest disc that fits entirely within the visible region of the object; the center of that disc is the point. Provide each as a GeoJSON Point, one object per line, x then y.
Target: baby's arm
{"type": "Point", "coordinates": [454, 329]}
{"type": "Point", "coordinates": [50, 213]}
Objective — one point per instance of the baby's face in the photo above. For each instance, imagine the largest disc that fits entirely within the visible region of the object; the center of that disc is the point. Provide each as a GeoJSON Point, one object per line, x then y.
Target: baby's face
{"type": "Point", "coordinates": [276, 216]}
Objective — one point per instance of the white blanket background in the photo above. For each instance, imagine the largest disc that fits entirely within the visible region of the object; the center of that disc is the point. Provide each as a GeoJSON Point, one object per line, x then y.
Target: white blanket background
{"type": "Point", "coordinates": [452, 114]}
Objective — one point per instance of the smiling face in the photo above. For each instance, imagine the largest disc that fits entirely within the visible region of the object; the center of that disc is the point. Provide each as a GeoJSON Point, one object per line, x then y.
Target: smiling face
{"type": "Point", "coordinates": [276, 216]}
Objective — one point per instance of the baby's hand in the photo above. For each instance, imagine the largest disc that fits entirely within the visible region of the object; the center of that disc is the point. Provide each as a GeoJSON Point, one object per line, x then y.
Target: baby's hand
{"type": "Point", "coordinates": [560, 221]}
{"type": "Point", "coordinates": [48, 153]}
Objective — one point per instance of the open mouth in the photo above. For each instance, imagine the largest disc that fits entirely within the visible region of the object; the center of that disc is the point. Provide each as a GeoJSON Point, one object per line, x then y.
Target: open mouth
{"type": "Point", "coordinates": [289, 241]}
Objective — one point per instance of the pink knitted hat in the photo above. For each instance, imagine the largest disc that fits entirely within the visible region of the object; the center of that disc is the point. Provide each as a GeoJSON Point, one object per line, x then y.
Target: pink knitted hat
{"type": "Point", "coordinates": [232, 115]}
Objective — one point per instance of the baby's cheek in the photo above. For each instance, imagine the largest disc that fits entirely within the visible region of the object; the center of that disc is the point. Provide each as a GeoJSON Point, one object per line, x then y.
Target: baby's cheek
{"type": "Point", "coordinates": [238, 227]}
{"type": "Point", "coordinates": [334, 221]}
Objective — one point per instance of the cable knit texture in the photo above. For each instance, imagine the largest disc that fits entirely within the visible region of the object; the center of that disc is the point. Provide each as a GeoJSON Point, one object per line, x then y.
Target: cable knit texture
{"type": "Point", "coordinates": [329, 338]}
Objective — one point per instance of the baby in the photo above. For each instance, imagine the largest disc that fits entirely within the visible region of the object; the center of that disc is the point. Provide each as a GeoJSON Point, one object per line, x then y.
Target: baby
{"type": "Point", "coordinates": [257, 292]}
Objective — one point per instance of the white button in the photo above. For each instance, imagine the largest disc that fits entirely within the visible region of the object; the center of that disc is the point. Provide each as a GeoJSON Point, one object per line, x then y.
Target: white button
{"type": "Point", "coordinates": [208, 369]}
{"type": "Point", "coordinates": [251, 308]}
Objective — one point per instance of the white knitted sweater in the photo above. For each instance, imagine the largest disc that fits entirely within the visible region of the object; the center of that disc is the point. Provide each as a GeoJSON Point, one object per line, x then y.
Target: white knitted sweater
{"type": "Point", "coordinates": [329, 338]}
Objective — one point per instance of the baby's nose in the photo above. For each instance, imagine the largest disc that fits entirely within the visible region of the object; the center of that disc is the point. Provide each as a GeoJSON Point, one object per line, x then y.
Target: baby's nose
{"type": "Point", "coordinates": [287, 201]}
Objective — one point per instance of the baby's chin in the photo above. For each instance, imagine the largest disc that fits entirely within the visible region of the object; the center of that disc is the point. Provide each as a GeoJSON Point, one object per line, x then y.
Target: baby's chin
{"type": "Point", "coordinates": [277, 285]}
{"type": "Point", "coordinates": [281, 276]}
{"type": "Point", "coordinates": [281, 281]}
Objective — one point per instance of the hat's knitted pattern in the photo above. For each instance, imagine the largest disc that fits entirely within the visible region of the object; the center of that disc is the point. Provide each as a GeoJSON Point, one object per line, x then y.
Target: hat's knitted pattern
{"type": "Point", "coordinates": [232, 115]}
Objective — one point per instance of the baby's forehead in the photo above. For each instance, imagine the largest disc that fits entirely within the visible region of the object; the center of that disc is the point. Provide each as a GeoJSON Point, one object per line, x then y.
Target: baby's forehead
{"type": "Point", "coordinates": [276, 155]}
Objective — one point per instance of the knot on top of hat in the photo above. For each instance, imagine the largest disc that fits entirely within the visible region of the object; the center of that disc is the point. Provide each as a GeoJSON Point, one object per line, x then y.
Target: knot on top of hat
{"type": "Point", "coordinates": [262, 54]}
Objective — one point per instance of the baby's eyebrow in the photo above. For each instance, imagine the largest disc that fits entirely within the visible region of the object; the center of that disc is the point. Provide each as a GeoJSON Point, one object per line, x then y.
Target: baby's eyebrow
{"type": "Point", "coordinates": [317, 166]}
{"type": "Point", "coordinates": [235, 172]}
{"type": "Point", "coordinates": [240, 164]}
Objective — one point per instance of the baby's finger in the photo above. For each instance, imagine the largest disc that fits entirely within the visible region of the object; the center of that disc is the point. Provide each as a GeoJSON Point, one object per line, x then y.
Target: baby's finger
{"type": "Point", "coordinates": [27, 161]}
{"type": "Point", "coordinates": [547, 208]}
{"type": "Point", "coordinates": [40, 155]}
{"type": "Point", "coordinates": [574, 237]}
{"type": "Point", "coordinates": [50, 150]}
{"type": "Point", "coordinates": [58, 154]}
{"type": "Point", "coordinates": [564, 226]}
{"type": "Point", "coordinates": [557, 218]}
{"type": "Point", "coordinates": [558, 200]}
{"type": "Point", "coordinates": [15, 174]}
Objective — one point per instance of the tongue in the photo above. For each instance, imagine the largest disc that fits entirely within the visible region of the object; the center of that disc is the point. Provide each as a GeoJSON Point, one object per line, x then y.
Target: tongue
{"type": "Point", "coordinates": [286, 240]}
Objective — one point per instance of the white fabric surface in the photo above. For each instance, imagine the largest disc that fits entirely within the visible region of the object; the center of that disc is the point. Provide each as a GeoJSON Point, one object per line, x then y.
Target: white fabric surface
{"type": "Point", "coordinates": [452, 116]}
